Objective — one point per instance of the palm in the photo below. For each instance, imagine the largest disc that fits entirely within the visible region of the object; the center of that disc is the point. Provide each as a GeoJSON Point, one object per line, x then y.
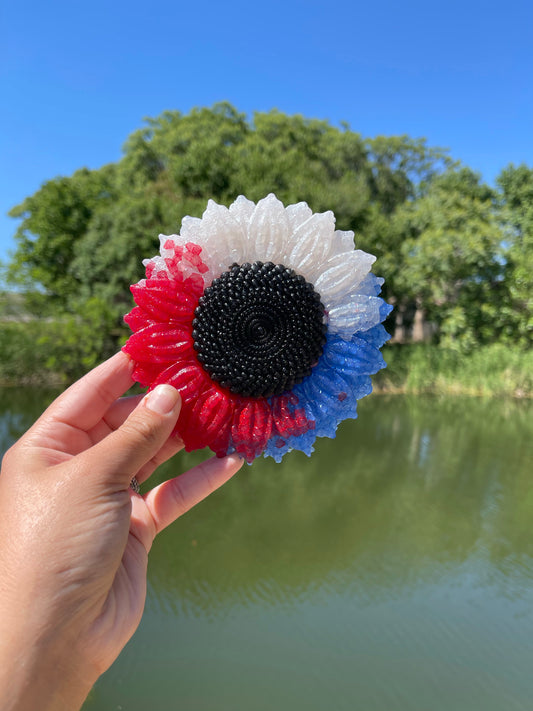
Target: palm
{"type": "Point", "coordinates": [88, 435]}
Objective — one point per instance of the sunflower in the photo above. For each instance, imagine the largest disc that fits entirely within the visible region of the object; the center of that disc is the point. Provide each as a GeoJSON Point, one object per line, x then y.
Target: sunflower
{"type": "Point", "coordinates": [267, 321]}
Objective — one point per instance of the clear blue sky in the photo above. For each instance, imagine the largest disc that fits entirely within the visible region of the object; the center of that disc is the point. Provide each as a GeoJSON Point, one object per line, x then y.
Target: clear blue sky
{"type": "Point", "coordinates": [78, 77]}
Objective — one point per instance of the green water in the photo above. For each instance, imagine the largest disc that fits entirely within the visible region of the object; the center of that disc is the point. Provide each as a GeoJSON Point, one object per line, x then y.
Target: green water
{"type": "Point", "coordinates": [391, 571]}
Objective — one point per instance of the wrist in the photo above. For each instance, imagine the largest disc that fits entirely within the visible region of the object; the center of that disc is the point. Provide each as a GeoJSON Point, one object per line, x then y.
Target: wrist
{"type": "Point", "coordinates": [40, 674]}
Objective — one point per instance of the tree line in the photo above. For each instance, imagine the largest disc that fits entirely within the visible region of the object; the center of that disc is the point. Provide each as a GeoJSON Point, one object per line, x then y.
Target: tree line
{"type": "Point", "coordinates": [456, 253]}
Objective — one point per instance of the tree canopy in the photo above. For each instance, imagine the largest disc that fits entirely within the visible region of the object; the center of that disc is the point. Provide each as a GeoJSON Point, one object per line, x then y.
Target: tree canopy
{"type": "Point", "coordinates": [450, 247]}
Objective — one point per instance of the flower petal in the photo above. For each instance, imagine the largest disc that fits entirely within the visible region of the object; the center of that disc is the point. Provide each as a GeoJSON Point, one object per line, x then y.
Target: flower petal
{"type": "Point", "coordinates": [289, 421]}
{"type": "Point", "coordinates": [277, 447]}
{"type": "Point", "coordinates": [331, 397]}
{"type": "Point", "coordinates": [298, 214]}
{"type": "Point", "coordinates": [342, 274]}
{"type": "Point", "coordinates": [376, 336]}
{"type": "Point", "coordinates": [186, 376]}
{"type": "Point", "coordinates": [164, 299]}
{"type": "Point", "coordinates": [359, 313]}
{"type": "Point", "coordinates": [160, 343]}
{"type": "Point", "coordinates": [311, 243]}
{"type": "Point", "coordinates": [224, 239]}
{"type": "Point", "coordinates": [241, 210]}
{"type": "Point", "coordinates": [268, 232]}
{"type": "Point", "coordinates": [371, 285]}
{"type": "Point", "coordinates": [191, 231]}
{"type": "Point", "coordinates": [208, 422]}
{"type": "Point", "coordinates": [342, 242]}
{"type": "Point", "coordinates": [252, 427]}
{"type": "Point", "coordinates": [146, 373]}
{"type": "Point", "coordinates": [355, 357]}
{"type": "Point", "coordinates": [139, 318]}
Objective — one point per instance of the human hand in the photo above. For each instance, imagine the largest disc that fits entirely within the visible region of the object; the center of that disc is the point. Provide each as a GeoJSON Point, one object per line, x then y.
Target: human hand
{"type": "Point", "coordinates": [74, 538]}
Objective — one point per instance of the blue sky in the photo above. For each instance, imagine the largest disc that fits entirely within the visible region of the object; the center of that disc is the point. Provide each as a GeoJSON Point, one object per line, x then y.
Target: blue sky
{"type": "Point", "coordinates": [78, 77]}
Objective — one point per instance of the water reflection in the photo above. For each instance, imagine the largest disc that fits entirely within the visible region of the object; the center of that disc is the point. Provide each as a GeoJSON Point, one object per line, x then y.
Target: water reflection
{"type": "Point", "coordinates": [414, 487]}
{"type": "Point", "coordinates": [393, 569]}
{"type": "Point", "coordinates": [19, 408]}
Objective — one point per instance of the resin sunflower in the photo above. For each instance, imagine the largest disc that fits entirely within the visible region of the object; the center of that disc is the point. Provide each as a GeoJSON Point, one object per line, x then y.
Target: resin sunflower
{"type": "Point", "coordinates": [267, 321]}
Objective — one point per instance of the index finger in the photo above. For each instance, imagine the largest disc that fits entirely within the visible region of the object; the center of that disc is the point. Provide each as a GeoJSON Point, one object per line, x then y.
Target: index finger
{"type": "Point", "coordinates": [85, 402]}
{"type": "Point", "coordinates": [174, 497]}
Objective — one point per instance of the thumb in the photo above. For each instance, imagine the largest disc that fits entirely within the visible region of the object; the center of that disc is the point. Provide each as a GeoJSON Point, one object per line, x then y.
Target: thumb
{"type": "Point", "coordinates": [117, 458]}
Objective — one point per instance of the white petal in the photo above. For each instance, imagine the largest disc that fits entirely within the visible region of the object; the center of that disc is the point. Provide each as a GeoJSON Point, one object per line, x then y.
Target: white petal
{"type": "Point", "coordinates": [298, 214]}
{"type": "Point", "coordinates": [191, 228]}
{"type": "Point", "coordinates": [358, 314]}
{"type": "Point", "coordinates": [311, 244]}
{"type": "Point", "coordinates": [224, 238]}
{"type": "Point", "coordinates": [342, 274]}
{"type": "Point", "coordinates": [241, 210]}
{"type": "Point", "coordinates": [342, 242]}
{"type": "Point", "coordinates": [268, 232]}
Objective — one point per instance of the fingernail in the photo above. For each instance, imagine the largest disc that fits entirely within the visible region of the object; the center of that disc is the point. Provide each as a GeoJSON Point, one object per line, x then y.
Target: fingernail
{"type": "Point", "coordinates": [162, 399]}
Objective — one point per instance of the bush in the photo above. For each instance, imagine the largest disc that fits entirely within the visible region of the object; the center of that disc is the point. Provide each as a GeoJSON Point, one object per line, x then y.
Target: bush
{"type": "Point", "coordinates": [59, 350]}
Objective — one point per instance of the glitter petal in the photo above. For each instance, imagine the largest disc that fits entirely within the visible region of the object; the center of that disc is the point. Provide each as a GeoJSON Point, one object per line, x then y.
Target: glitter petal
{"type": "Point", "coordinates": [341, 274]}
{"type": "Point", "coordinates": [268, 232]}
{"type": "Point", "coordinates": [252, 427]}
{"type": "Point", "coordinates": [298, 214]}
{"type": "Point", "coordinates": [312, 242]}
{"type": "Point", "coordinates": [214, 410]}
{"type": "Point", "coordinates": [225, 237]}
{"type": "Point", "coordinates": [164, 300]}
{"type": "Point", "coordinates": [160, 343]}
{"type": "Point", "coordinates": [358, 313]}
{"type": "Point", "coordinates": [242, 210]}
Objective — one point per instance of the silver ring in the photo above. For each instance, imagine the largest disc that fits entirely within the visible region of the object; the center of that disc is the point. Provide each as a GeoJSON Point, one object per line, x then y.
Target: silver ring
{"type": "Point", "coordinates": [134, 484]}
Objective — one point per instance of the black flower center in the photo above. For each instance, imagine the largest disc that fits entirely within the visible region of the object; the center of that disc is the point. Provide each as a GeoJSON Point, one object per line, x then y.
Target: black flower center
{"type": "Point", "coordinates": [259, 329]}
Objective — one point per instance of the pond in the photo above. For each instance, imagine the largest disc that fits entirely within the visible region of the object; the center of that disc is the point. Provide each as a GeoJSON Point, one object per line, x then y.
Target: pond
{"type": "Point", "coordinates": [391, 570]}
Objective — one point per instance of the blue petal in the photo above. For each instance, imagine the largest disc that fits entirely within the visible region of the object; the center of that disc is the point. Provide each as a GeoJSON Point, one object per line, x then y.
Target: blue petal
{"type": "Point", "coordinates": [376, 336]}
{"type": "Point", "coordinates": [277, 447]}
{"type": "Point", "coordinates": [384, 310]}
{"type": "Point", "coordinates": [355, 356]}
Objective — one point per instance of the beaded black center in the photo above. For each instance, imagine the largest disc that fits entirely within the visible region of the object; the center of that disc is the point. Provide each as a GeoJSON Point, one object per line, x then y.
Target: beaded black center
{"type": "Point", "coordinates": [259, 329]}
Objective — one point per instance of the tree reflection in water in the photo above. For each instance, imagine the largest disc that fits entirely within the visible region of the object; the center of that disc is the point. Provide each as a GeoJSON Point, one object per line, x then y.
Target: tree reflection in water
{"type": "Point", "coordinates": [393, 569]}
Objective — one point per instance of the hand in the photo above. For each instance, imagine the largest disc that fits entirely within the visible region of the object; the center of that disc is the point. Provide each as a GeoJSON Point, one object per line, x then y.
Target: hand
{"type": "Point", "coordinates": [74, 538]}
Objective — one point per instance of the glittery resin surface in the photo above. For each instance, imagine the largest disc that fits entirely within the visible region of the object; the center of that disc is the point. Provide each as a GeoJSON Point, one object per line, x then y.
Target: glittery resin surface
{"type": "Point", "coordinates": [267, 321]}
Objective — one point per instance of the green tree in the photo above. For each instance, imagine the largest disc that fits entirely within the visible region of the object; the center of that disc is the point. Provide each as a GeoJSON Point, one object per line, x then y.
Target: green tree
{"type": "Point", "coordinates": [82, 238]}
{"type": "Point", "coordinates": [85, 235]}
{"type": "Point", "coordinates": [451, 266]}
{"type": "Point", "coordinates": [516, 203]}
{"type": "Point", "coordinates": [54, 222]}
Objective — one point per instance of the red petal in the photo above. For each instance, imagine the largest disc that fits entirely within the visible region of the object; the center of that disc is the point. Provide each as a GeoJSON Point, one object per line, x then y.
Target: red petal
{"type": "Point", "coordinates": [138, 318]}
{"type": "Point", "coordinates": [165, 300]}
{"type": "Point", "coordinates": [160, 343]}
{"type": "Point", "coordinates": [193, 248]}
{"type": "Point", "coordinates": [195, 284]}
{"type": "Point", "coordinates": [172, 266]}
{"type": "Point", "coordinates": [252, 427]}
{"type": "Point", "coordinates": [208, 422]}
{"type": "Point", "coordinates": [287, 422]}
{"type": "Point", "coordinates": [146, 373]}
{"type": "Point", "coordinates": [187, 376]}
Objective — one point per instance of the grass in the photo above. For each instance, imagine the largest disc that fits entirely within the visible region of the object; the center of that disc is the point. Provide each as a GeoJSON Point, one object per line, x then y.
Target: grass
{"type": "Point", "coordinates": [492, 370]}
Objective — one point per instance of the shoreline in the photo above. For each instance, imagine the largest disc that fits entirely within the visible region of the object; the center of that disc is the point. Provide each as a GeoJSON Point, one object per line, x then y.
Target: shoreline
{"type": "Point", "coordinates": [442, 389]}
